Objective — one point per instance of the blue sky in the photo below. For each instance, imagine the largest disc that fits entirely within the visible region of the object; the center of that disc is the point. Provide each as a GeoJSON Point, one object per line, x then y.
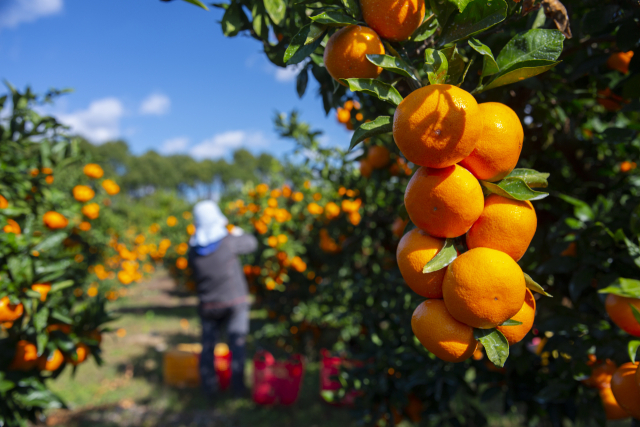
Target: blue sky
{"type": "Point", "coordinates": [159, 75]}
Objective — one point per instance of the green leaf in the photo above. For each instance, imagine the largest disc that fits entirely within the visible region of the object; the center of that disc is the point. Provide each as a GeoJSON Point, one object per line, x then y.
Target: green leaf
{"type": "Point", "coordinates": [443, 258]}
{"type": "Point", "coordinates": [632, 349]}
{"type": "Point", "coordinates": [352, 7]}
{"type": "Point", "coordinates": [393, 64]}
{"type": "Point", "coordinates": [334, 19]}
{"type": "Point", "coordinates": [495, 345]}
{"type": "Point", "coordinates": [455, 64]}
{"type": "Point", "coordinates": [514, 188]}
{"type": "Point", "coordinates": [534, 286]}
{"type": "Point", "coordinates": [425, 30]}
{"type": "Point", "coordinates": [476, 17]}
{"type": "Point", "coordinates": [489, 65]}
{"type": "Point", "coordinates": [636, 313]}
{"type": "Point", "coordinates": [383, 91]}
{"type": "Point", "coordinates": [61, 317]}
{"type": "Point", "coordinates": [301, 81]}
{"type": "Point", "coordinates": [532, 177]}
{"type": "Point", "coordinates": [511, 322]}
{"type": "Point", "coordinates": [328, 395]}
{"type": "Point", "coordinates": [540, 20]}
{"type": "Point", "coordinates": [436, 66]}
{"type": "Point", "coordinates": [277, 10]}
{"type": "Point", "coordinates": [304, 43]}
{"type": "Point", "coordinates": [533, 45]}
{"type": "Point", "coordinates": [51, 241]}
{"type": "Point", "coordinates": [41, 342]}
{"type": "Point", "coordinates": [197, 3]}
{"type": "Point", "coordinates": [629, 288]}
{"type": "Point", "coordinates": [382, 124]}
{"type": "Point", "coordinates": [6, 385]}
{"type": "Point", "coordinates": [56, 287]}
{"type": "Point", "coordinates": [260, 21]}
{"type": "Point", "coordinates": [40, 319]}
{"type": "Point", "coordinates": [517, 73]}
{"type": "Point", "coordinates": [233, 20]}
{"type": "Point", "coordinates": [581, 210]}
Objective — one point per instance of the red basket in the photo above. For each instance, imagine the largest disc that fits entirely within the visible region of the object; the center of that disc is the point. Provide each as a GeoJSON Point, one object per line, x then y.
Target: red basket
{"type": "Point", "coordinates": [222, 365]}
{"type": "Point", "coordinates": [276, 381]}
{"type": "Point", "coordinates": [329, 369]}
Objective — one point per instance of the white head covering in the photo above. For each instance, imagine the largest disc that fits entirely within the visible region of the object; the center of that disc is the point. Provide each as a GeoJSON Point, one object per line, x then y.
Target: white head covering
{"type": "Point", "coordinates": [210, 224]}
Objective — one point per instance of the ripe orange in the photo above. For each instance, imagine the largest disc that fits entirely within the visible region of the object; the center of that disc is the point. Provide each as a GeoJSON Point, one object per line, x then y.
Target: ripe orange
{"type": "Point", "coordinates": [483, 287]}
{"type": "Point", "coordinates": [346, 50]}
{"type": "Point", "coordinates": [378, 156]}
{"type": "Point", "coordinates": [506, 225]}
{"type": "Point", "coordinates": [626, 166]}
{"type": "Point", "coordinates": [182, 263]}
{"type": "Point", "coordinates": [43, 289]}
{"type": "Point", "coordinates": [26, 356]}
{"type": "Point", "coordinates": [365, 168]}
{"type": "Point", "coordinates": [91, 211]}
{"type": "Point", "coordinates": [440, 333]}
{"type": "Point", "coordinates": [601, 372]}
{"type": "Point", "coordinates": [51, 362]}
{"type": "Point", "coordinates": [93, 170]}
{"type": "Point", "coordinates": [437, 125]}
{"type": "Point", "coordinates": [110, 187]}
{"type": "Point", "coordinates": [343, 115]}
{"type": "Point", "coordinates": [3, 202]}
{"type": "Point", "coordinates": [621, 314]}
{"type": "Point", "coordinates": [10, 312]}
{"type": "Point", "coordinates": [54, 220]}
{"type": "Point", "coordinates": [625, 389]}
{"type": "Point", "coordinates": [12, 227]}
{"type": "Point", "coordinates": [398, 226]}
{"type": "Point", "coordinates": [394, 20]}
{"type": "Point", "coordinates": [612, 409]}
{"type": "Point", "coordinates": [83, 193]}
{"type": "Point", "coordinates": [620, 61]}
{"type": "Point", "coordinates": [610, 100]}
{"type": "Point", "coordinates": [526, 315]}
{"type": "Point", "coordinates": [415, 250]}
{"type": "Point", "coordinates": [82, 351]}
{"type": "Point", "coordinates": [444, 202]}
{"type": "Point", "coordinates": [498, 148]}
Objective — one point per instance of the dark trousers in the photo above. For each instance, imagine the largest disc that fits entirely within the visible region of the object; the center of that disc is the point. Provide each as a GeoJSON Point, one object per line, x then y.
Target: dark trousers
{"type": "Point", "coordinates": [236, 320]}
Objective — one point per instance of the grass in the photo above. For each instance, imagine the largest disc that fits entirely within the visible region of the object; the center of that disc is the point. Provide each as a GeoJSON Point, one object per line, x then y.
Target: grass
{"type": "Point", "coordinates": [128, 389]}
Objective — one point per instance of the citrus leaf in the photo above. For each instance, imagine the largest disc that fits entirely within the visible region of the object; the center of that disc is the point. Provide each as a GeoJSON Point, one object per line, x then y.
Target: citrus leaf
{"type": "Point", "coordinates": [436, 65]}
{"type": "Point", "coordinates": [352, 7]}
{"type": "Point", "coordinates": [61, 317]}
{"type": "Point", "coordinates": [51, 241]}
{"type": "Point", "coordinates": [536, 44]}
{"type": "Point", "coordinates": [197, 3]}
{"type": "Point", "coordinates": [277, 10]}
{"type": "Point", "coordinates": [455, 64]}
{"type": "Point", "coordinates": [636, 312]}
{"type": "Point", "coordinates": [514, 188]}
{"type": "Point", "coordinates": [304, 43]}
{"type": "Point", "coordinates": [382, 124]}
{"type": "Point", "coordinates": [517, 73]}
{"type": "Point", "coordinates": [632, 348]}
{"type": "Point", "coordinates": [476, 17]}
{"type": "Point", "coordinates": [425, 30]}
{"type": "Point", "coordinates": [233, 20]}
{"type": "Point", "coordinates": [61, 285]}
{"type": "Point", "coordinates": [489, 65]}
{"type": "Point", "coordinates": [532, 177]}
{"type": "Point", "coordinates": [511, 322]}
{"type": "Point", "coordinates": [534, 286]}
{"type": "Point", "coordinates": [495, 345]}
{"type": "Point", "coordinates": [443, 258]}
{"type": "Point", "coordinates": [581, 210]}
{"type": "Point", "coordinates": [383, 91]}
{"type": "Point", "coordinates": [335, 19]}
{"type": "Point", "coordinates": [393, 64]}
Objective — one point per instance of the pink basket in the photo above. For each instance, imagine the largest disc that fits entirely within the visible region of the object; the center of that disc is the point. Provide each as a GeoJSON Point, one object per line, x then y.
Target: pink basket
{"type": "Point", "coordinates": [329, 369]}
{"type": "Point", "coordinates": [276, 381]}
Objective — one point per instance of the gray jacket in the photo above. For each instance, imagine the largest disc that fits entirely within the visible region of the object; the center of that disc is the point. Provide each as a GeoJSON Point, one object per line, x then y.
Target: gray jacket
{"type": "Point", "coordinates": [220, 281]}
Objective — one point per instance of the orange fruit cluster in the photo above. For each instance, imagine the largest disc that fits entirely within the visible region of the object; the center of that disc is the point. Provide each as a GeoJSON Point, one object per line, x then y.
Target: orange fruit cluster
{"type": "Point", "coordinates": [456, 143]}
{"type": "Point", "coordinates": [26, 357]}
{"type": "Point", "coordinates": [348, 112]}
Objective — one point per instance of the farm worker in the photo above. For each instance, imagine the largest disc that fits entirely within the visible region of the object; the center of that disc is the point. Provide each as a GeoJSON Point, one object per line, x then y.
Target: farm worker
{"type": "Point", "coordinates": [222, 290]}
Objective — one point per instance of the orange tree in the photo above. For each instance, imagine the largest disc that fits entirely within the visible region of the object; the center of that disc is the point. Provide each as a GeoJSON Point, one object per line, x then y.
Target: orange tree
{"type": "Point", "coordinates": [577, 98]}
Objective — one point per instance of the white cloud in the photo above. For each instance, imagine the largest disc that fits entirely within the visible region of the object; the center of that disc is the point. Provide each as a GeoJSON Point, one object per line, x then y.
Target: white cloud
{"type": "Point", "coordinates": [223, 143]}
{"type": "Point", "coordinates": [15, 12]}
{"type": "Point", "coordinates": [288, 74]}
{"type": "Point", "coordinates": [99, 123]}
{"type": "Point", "coordinates": [174, 145]}
{"type": "Point", "coordinates": [155, 104]}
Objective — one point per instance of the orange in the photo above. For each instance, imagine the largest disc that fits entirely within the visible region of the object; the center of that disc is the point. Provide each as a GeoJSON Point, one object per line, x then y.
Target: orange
{"type": "Point", "coordinates": [625, 388]}
{"type": "Point", "coordinates": [506, 225]}
{"type": "Point", "coordinates": [526, 315]}
{"type": "Point", "coordinates": [483, 287]}
{"type": "Point", "coordinates": [365, 168]}
{"type": "Point", "coordinates": [96, 335]}
{"type": "Point", "coordinates": [621, 314]}
{"type": "Point", "coordinates": [82, 193]}
{"type": "Point", "coordinates": [378, 156]}
{"type": "Point", "coordinates": [620, 61]}
{"type": "Point", "coordinates": [437, 125]}
{"type": "Point", "coordinates": [182, 263]}
{"type": "Point", "coordinates": [10, 312]}
{"type": "Point", "coordinates": [343, 115]}
{"type": "Point", "coordinates": [601, 372]}
{"type": "Point", "coordinates": [91, 211]}
{"type": "Point", "coordinates": [612, 409]}
{"type": "Point", "coordinates": [394, 20]}
{"type": "Point", "coordinates": [498, 148]}
{"type": "Point", "coordinates": [59, 327]}
{"type": "Point", "coordinates": [3, 202]}
{"type": "Point", "coordinates": [610, 100]}
{"type": "Point", "coordinates": [43, 289]}
{"type": "Point", "coordinates": [415, 250]}
{"type": "Point", "coordinates": [398, 226]}
{"type": "Point", "coordinates": [26, 356]}
{"type": "Point", "coordinates": [82, 351]}
{"type": "Point", "coordinates": [110, 187]}
{"type": "Point", "coordinates": [346, 50]}
{"type": "Point", "coordinates": [93, 170]}
{"type": "Point", "coordinates": [12, 227]}
{"type": "Point", "coordinates": [444, 202]}
{"type": "Point", "coordinates": [626, 166]}
{"type": "Point", "coordinates": [54, 220]}
{"type": "Point", "coordinates": [51, 362]}
{"type": "Point", "coordinates": [440, 333]}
